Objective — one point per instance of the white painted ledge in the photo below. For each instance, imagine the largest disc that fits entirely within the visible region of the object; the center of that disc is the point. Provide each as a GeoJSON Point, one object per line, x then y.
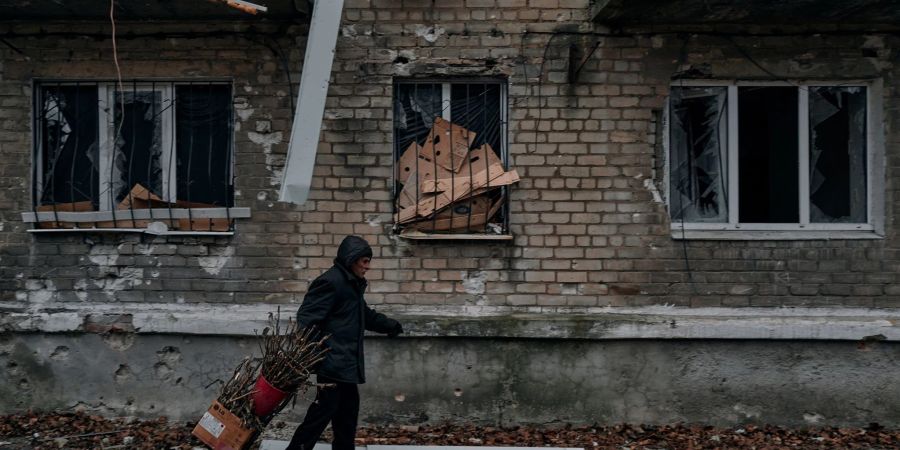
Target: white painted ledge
{"type": "Point", "coordinates": [137, 214]}
{"type": "Point", "coordinates": [653, 322]}
{"type": "Point", "coordinates": [780, 235]}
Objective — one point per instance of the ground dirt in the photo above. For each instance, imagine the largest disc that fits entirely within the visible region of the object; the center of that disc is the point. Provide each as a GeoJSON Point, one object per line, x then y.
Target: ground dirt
{"type": "Point", "coordinates": [85, 431]}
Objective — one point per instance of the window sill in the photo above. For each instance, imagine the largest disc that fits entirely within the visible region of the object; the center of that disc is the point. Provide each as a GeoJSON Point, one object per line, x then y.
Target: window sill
{"type": "Point", "coordinates": [130, 230]}
{"type": "Point", "coordinates": [773, 235]}
{"type": "Point", "coordinates": [420, 236]}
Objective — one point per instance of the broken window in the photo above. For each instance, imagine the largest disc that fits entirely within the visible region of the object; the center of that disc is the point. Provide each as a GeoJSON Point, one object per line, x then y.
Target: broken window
{"type": "Point", "coordinates": [699, 136]}
{"type": "Point", "coordinates": [768, 157]}
{"type": "Point", "coordinates": [115, 149]}
{"type": "Point", "coordinates": [138, 142]}
{"type": "Point", "coordinates": [837, 154]}
{"type": "Point", "coordinates": [67, 120]}
{"type": "Point", "coordinates": [450, 157]}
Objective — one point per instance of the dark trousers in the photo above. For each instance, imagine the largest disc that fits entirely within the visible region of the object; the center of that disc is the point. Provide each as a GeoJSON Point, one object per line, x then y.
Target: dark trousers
{"type": "Point", "coordinates": [337, 404]}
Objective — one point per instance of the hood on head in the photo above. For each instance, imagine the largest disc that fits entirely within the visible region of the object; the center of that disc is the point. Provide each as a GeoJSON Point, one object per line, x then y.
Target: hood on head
{"type": "Point", "coordinates": [351, 249]}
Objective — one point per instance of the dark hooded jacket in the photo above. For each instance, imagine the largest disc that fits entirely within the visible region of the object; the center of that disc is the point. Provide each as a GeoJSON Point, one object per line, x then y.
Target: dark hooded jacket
{"type": "Point", "coordinates": [335, 305]}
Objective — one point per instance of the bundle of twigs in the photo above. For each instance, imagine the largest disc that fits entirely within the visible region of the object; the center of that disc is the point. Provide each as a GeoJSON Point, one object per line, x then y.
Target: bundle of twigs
{"type": "Point", "coordinates": [237, 391]}
{"type": "Point", "coordinates": [288, 358]}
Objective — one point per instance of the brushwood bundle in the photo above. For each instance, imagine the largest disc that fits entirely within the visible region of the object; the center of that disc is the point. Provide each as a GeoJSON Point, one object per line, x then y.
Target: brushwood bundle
{"type": "Point", "coordinates": [288, 358]}
{"type": "Point", "coordinates": [261, 387]}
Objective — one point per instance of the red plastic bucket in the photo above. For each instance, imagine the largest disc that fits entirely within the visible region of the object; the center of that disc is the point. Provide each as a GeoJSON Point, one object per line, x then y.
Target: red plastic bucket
{"type": "Point", "coordinates": [266, 398]}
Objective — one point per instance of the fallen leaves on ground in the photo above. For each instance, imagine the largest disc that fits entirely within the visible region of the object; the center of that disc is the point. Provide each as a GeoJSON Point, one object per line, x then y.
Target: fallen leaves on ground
{"type": "Point", "coordinates": [83, 431]}
{"type": "Point", "coordinates": [635, 437]}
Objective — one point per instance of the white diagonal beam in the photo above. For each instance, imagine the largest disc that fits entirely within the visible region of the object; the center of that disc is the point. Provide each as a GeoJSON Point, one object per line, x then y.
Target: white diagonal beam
{"type": "Point", "coordinates": [301, 157]}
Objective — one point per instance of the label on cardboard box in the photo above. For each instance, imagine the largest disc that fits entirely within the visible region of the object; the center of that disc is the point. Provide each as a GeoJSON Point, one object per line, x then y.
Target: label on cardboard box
{"type": "Point", "coordinates": [211, 424]}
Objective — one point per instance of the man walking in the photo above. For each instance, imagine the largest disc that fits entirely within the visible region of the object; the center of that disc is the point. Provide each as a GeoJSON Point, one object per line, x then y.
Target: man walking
{"type": "Point", "coordinates": [335, 305]}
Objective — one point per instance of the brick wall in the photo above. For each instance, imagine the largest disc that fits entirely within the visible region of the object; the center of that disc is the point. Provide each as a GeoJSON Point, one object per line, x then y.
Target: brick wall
{"type": "Point", "coordinates": [587, 229]}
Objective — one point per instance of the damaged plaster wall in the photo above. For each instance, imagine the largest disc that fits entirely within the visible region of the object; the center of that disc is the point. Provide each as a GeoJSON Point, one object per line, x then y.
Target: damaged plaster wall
{"type": "Point", "coordinates": [506, 383]}
{"type": "Point", "coordinates": [588, 223]}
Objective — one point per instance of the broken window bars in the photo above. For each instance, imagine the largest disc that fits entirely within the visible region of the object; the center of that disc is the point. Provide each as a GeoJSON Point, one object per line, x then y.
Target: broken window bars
{"type": "Point", "coordinates": [447, 193]}
{"type": "Point", "coordinates": [129, 131]}
{"type": "Point", "coordinates": [829, 184]}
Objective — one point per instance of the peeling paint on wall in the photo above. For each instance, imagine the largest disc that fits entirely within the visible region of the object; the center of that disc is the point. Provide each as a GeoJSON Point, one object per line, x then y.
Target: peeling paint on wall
{"type": "Point", "coordinates": [242, 109]}
{"type": "Point", "coordinates": [474, 282]}
{"type": "Point", "coordinates": [651, 186]}
{"type": "Point", "coordinates": [214, 263]}
{"type": "Point", "coordinates": [374, 220]}
{"type": "Point", "coordinates": [40, 291]}
{"type": "Point", "coordinates": [430, 33]}
{"type": "Point", "coordinates": [274, 163]}
{"type": "Point", "coordinates": [813, 418]}
{"type": "Point", "coordinates": [120, 280]}
{"type": "Point", "coordinates": [746, 411]}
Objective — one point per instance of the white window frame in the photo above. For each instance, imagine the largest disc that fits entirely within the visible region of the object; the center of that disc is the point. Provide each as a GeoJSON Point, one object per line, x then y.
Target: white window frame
{"type": "Point", "coordinates": [106, 118]}
{"type": "Point", "coordinates": [734, 229]}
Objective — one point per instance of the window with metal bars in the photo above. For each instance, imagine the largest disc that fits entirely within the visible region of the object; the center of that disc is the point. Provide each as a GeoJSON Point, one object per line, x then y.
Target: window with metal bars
{"type": "Point", "coordinates": [450, 153]}
{"type": "Point", "coordinates": [132, 151]}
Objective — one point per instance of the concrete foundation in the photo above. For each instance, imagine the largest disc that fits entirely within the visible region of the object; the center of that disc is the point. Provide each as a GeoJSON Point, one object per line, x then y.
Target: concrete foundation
{"type": "Point", "coordinates": [488, 381]}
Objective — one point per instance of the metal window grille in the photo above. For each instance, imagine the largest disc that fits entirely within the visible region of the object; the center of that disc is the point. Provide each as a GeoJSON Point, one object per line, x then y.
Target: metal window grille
{"type": "Point", "coordinates": [133, 149]}
{"type": "Point", "coordinates": [450, 153]}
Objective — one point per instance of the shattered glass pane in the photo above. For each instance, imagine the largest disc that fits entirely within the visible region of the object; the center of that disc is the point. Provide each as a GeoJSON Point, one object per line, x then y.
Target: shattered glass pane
{"type": "Point", "coordinates": [698, 162]}
{"type": "Point", "coordinates": [837, 154]}
{"type": "Point", "coordinates": [69, 152]}
{"type": "Point", "coordinates": [768, 156]}
{"type": "Point", "coordinates": [138, 145]}
{"type": "Point", "coordinates": [203, 135]}
{"type": "Point", "coordinates": [416, 105]}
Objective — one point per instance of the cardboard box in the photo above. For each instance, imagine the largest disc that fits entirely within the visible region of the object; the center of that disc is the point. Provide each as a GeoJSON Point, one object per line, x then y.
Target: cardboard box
{"type": "Point", "coordinates": [222, 430]}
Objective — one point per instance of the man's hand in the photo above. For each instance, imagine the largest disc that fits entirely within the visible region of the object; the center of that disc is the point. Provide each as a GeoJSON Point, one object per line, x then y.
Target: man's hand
{"type": "Point", "coordinates": [396, 330]}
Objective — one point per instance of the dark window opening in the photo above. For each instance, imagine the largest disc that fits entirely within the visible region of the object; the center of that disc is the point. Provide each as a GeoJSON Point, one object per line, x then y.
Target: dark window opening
{"type": "Point", "coordinates": [67, 117]}
{"type": "Point", "coordinates": [203, 132]}
{"type": "Point", "coordinates": [138, 142]}
{"type": "Point", "coordinates": [768, 161]}
{"type": "Point", "coordinates": [837, 154]}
